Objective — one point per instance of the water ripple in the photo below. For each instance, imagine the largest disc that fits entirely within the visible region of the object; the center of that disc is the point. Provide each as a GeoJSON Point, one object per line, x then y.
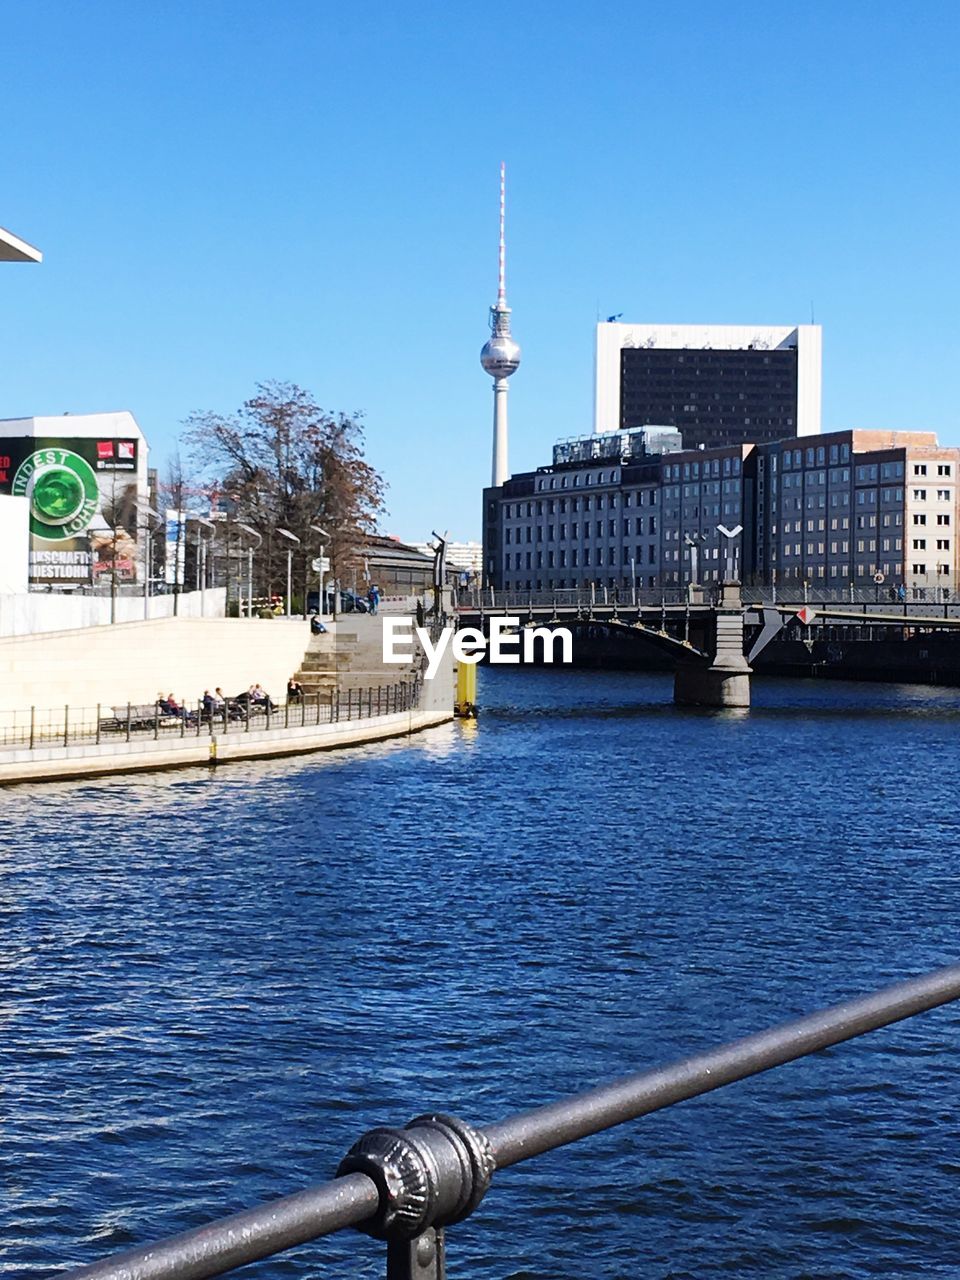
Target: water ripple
{"type": "Point", "coordinates": [213, 983]}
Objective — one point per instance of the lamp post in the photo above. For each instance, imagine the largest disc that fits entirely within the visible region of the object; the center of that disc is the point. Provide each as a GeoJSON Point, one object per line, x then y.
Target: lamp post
{"type": "Point", "coordinates": [253, 534]}
{"type": "Point", "coordinates": [291, 537]}
{"type": "Point", "coordinates": [147, 510]}
{"type": "Point", "coordinates": [201, 553]}
{"type": "Point", "coordinates": [315, 528]}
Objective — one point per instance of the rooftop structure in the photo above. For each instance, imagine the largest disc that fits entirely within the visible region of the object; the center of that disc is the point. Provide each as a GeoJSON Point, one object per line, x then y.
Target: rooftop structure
{"type": "Point", "coordinates": [13, 249]}
{"type": "Point", "coordinates": [616, 445]}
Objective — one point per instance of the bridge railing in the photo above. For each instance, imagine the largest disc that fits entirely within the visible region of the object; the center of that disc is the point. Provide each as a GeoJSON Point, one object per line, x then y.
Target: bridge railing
{"type": "Point", "coordinates": [605, 599]}
{"type": "Point", "coordinates": [795, 593]}
{"type": "Point", "coordinates": [567, 598]}
{"type": "Point", "coordinates": [406, 1185]}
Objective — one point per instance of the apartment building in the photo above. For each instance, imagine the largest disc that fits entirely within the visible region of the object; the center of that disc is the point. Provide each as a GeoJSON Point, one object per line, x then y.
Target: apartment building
{"type": "Point", "coordinates": [858, 507]}
{"type": "Point", "coordinates": [632, 508]}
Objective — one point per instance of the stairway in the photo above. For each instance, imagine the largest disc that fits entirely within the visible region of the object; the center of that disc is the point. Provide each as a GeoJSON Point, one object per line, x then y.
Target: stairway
{"type": "Point", "coordinates": [350, 656]}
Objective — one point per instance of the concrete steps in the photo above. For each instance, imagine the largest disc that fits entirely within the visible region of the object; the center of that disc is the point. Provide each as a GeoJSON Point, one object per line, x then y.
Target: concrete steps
{"type": "Point", "coordinates": [350, 656]}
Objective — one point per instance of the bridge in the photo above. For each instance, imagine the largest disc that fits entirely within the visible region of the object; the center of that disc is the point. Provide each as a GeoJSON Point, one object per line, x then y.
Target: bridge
{"type": "Point", "coordinates": [712, 641]}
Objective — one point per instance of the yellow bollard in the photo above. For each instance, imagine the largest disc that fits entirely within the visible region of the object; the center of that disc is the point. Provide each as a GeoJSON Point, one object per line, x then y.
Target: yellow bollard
{"type": "Point", "coordinates": [466, 705]}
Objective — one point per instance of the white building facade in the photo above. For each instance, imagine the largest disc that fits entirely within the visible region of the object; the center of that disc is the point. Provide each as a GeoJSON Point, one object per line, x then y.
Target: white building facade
{"type": "Point", "coordinates": [83, 478]}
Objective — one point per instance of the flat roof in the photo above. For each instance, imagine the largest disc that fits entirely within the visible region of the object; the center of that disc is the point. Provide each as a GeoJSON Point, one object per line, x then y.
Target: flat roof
{"type": "Point", "coordinates": [13, 249]}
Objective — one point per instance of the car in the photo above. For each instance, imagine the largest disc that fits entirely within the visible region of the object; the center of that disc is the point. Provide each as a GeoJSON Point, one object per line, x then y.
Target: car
{"type": "Point", "coordinates": [350, 602]}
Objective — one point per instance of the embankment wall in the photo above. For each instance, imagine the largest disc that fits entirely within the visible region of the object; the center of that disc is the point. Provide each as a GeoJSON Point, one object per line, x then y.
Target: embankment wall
{"type": "Point", "coordinates": [134, 661]}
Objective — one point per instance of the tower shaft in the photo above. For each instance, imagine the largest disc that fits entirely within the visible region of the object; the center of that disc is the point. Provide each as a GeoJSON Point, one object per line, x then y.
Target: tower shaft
{"type": "Point", "coordinates": [501, 471]}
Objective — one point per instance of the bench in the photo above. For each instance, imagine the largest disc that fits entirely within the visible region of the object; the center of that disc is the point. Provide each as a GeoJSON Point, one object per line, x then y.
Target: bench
{"type": "Point", "coordinates": [139, 716]}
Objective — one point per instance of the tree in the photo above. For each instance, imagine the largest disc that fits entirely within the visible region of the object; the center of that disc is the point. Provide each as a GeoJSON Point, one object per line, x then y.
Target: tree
{"type": "Point", "coordinates": [283, 462]}
{"type": "Point", "coordinates": [119, 540]}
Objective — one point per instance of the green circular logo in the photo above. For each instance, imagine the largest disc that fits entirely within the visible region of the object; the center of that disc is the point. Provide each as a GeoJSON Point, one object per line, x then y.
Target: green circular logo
{"type": "Point", "coordinates": [57, 495]}
{"type": "Point", "coordinates": [63, 492]}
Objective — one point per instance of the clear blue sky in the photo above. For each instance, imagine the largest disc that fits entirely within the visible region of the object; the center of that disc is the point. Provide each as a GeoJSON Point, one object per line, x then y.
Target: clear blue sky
{"type": "Point", "coordinates": [230, 192]}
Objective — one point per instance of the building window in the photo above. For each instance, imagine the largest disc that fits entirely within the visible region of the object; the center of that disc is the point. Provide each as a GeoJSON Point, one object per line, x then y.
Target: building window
{"type": "Point", "coordinates": [919, 568]}
{"type": "Point", "coordinates": [919, 468]}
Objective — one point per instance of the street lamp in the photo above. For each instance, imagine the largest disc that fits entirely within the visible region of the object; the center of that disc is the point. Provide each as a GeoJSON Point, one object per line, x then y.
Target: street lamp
{"type": "Point", "coordinates": [315, 528]}
{"type": "Point", "coordinates": [291, 537]}
{"type": "Point", "coordinates": [147, 510]}
{"type": "Point", "coordinates": [253, 534]}
{"type": "Point", "coordinates": [201, 567]}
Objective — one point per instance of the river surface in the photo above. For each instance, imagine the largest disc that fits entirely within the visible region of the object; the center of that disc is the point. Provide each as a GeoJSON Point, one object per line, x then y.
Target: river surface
{"type": "Point", "coordinates": [212, 984]}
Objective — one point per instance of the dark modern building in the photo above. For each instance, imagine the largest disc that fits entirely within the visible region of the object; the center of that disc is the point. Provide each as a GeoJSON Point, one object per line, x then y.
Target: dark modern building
{"type": "Point", "coordinates": [717, 384]}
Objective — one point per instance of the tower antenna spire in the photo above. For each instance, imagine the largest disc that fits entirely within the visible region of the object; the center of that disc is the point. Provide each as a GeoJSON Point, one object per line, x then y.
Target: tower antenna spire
{"type": "Point", "coordinates": [502, 289]}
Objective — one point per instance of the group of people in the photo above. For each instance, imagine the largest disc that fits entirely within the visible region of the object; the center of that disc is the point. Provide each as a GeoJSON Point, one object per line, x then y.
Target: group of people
{"type": "Point", "coordinates": [169, 706]}
{"type": "Point", "coordinates": [255, 698]}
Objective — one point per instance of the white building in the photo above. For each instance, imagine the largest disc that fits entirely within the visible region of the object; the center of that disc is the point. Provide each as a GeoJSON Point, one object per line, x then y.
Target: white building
{"type": "Point", "coordinates": [717, 384]}
{"type": "Point", "coordinates": [82, 477]}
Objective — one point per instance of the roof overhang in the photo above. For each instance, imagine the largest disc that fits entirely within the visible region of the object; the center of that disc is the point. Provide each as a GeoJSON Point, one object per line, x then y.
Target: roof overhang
{"type": "Point", "coordinates": [13, 249]}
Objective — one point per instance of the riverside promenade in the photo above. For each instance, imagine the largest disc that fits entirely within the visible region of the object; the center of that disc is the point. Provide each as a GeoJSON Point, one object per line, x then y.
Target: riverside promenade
{"type": "Point", "coordinates": [350, 696]}
{"type": "Point", "coordinates": [54, 753]}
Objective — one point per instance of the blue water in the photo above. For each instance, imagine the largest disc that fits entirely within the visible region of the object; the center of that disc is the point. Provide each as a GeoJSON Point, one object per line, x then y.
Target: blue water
{"type": "Point", "coordinates": [211, 985]}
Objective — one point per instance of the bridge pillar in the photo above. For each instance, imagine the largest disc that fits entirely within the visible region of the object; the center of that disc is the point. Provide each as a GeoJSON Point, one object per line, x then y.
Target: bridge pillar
{"type": "Point", "coordinates": [726, 682]}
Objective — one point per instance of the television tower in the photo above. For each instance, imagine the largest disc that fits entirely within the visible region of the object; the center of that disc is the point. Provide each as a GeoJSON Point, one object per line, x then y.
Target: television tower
{"type": "Point", "coordinates": [500, 357]}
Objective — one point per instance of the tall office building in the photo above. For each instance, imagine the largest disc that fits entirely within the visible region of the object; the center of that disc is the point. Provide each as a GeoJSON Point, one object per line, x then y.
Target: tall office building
{"type": "Point", "coordinates": [717, 384]}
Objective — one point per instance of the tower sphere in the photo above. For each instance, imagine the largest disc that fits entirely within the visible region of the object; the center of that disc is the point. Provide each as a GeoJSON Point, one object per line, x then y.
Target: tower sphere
{"type": "Point", "coordinates": [500, 356]}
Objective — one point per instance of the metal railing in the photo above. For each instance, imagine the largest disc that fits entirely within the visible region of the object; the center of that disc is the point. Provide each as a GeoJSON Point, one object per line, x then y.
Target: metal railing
{"type": "Point", "coordinates": [405, 1186]}
{"type": "Point", "coordinates": [496, 600]}
{"type": "Point", "coordinates": [40, 728]}
{"type": "Point", "coordinates": [872, 599]}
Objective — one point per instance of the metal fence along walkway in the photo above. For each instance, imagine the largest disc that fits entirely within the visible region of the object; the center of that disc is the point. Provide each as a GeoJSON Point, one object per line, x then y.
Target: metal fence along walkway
{"type": "Point", "coordinates": [41, 728]}
{"type": "Point", "coordinates": [406, 1185]}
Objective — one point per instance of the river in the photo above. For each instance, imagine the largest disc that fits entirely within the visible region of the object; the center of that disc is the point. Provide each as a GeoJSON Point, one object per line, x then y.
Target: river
{"type": "Point", "coordinates": [213, 983]}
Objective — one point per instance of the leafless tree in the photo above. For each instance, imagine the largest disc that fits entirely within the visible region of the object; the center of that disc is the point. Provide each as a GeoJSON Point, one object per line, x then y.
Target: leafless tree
{"type": "Point", "coordinates": [284, 462]}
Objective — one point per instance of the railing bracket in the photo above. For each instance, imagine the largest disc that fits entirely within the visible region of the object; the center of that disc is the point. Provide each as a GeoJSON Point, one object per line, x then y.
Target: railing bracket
{"type": "Point", "coordinates": [432, 1173]}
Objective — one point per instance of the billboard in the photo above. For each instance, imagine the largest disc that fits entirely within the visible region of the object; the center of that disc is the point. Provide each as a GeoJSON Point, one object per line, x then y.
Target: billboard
{"type": "Point", "coordinates": [82, 495]}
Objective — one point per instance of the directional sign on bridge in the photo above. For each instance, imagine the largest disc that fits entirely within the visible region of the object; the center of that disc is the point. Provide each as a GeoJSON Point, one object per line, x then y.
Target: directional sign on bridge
{"type": "Point", "coordinates": [806, 615]}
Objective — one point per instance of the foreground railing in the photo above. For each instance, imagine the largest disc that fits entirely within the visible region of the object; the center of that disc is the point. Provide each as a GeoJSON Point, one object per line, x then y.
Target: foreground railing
{"type": "Point", "coordinates": [35, 728]}
{"type": "Point", "coordinates": [406, 1185]}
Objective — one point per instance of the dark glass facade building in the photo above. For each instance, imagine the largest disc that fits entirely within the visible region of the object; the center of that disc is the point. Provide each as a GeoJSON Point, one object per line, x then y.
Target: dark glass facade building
{"type": "Point", "coordinates": [714, 397]}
